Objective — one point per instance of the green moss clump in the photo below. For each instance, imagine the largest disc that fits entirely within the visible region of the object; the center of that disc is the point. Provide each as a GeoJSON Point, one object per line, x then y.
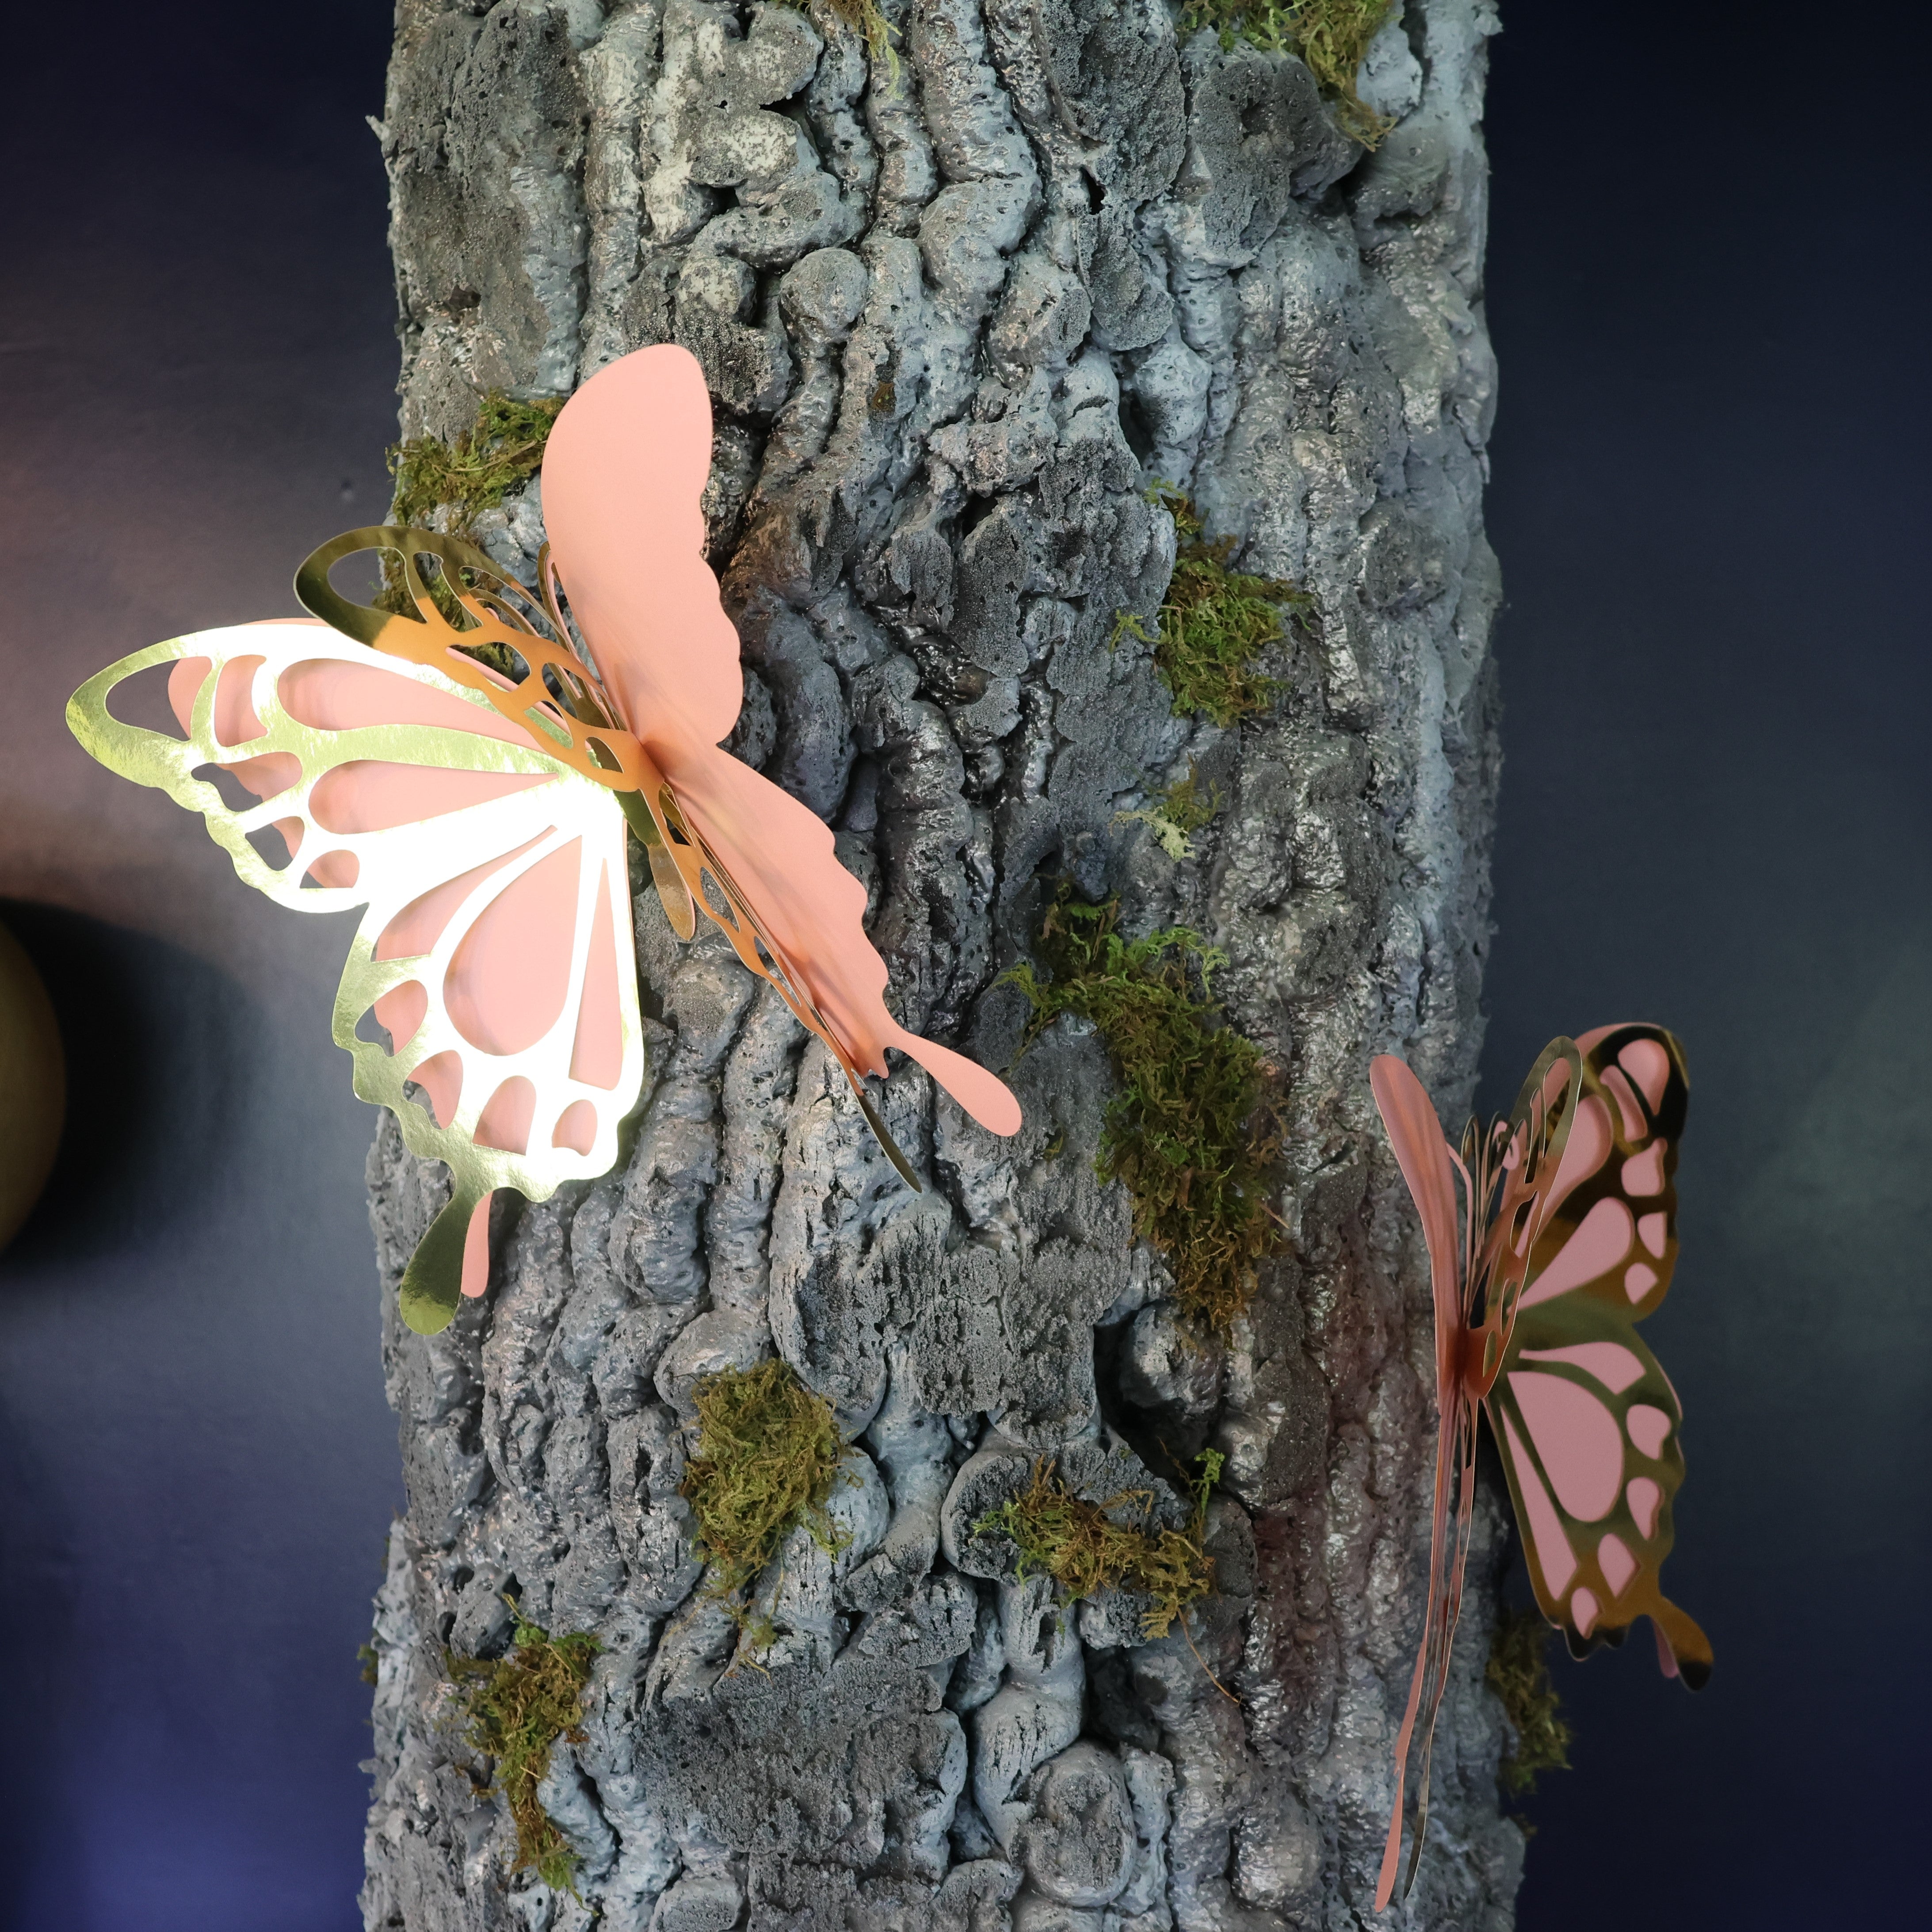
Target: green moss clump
{"type": "Point", "coordinates": [769, 1452]}
{"type": "Point", "coordinates": [370, 1660]}
{"type": "Point", "coordinates": [873, 28]}
{"type": "Point", "coordinates": [1519, 1673]}
{"type": "Point", "coordinates": [1183, 809]}
{"type": "Point", "coordinates": [517, 1705]}
{"type": "Point", "coordinates": [1215, 622]}
{"type": "Point", "coordinates": [1188, 1134]}
{"type": "Point", "coordinates": [1332, 37]}
{"type": "Point", "coordinates": [478, 469]}
{"type": "Point", "coordinates": [471, 474]}
{"type": "Point", "coordinates": [1186, 806]}
{"type": "Point", "coordinates": [1083, 1547]}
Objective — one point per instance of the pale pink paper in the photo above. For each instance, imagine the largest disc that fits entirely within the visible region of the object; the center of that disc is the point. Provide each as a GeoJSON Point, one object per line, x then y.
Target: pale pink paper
{"type": "Point", "coordinates": [1422, 1154]}
{"type": "Point", "coordinates": [1577, 1439]}
{"type": "Point", "coordinates": [624, 470]}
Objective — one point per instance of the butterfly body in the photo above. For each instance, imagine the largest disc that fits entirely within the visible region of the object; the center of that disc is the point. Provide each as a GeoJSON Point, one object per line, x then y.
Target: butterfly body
{"type": "Point", "coordinates": [1550, 1236]}
{"type": "Point", "coordinates": [465, 770]}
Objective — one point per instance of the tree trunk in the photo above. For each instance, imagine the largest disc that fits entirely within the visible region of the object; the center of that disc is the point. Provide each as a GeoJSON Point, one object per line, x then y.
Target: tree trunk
{"type": "Point", "coordinates": [953, 319]}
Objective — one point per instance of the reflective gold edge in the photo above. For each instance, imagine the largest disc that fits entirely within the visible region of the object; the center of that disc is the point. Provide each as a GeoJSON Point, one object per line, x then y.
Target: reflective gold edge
{"type": "Point", "coordinates": [392, 874]}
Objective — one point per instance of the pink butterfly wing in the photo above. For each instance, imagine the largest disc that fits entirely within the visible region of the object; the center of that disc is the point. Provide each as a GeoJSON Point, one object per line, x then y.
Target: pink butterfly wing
{"type": "Point", "coordinates": [523, 958]}
{"type": "Point", "coordinates": [1586, 1419]}
{"type": "Point", "coordinates": [326, 694]}
{"type": "Point", "coordinates": [623, 473]}
{"type": "Point", "coordinates": [781, 855]}
{"type": "Point", "coordinates": [1424, 1156]}
{"type": "Point", "coordinates": [507, 984]}
{"type": "Point", "coordinates": [623, 481]}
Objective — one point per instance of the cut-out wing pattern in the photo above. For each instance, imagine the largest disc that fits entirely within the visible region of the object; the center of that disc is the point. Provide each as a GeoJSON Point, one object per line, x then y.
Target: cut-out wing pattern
{"type": "Point", "coordinates": [495, 949]}
{"type": "Point", "coordinates": [1586, 1418]}
{"type": "Point", "coordinates": [1565, 1239]}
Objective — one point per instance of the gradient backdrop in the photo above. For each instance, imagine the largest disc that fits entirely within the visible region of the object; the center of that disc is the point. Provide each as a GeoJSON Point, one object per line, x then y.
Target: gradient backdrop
{"type": "Point", "coordinates": [1707, 286]}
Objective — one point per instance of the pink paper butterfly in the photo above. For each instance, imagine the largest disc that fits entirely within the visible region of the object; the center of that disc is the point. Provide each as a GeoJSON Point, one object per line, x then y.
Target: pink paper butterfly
{"type": "Point", "coordinates": [468, 781]}
{"type": "Point", "coordinates": [1565, 1240]}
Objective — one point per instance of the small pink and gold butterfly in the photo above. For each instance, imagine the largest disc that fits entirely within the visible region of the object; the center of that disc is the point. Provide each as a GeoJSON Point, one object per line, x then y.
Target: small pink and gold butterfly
{"type": "Point", "coordinates": [460, 771]}
{"type": "Point", "coordinates": [1562, 1240]}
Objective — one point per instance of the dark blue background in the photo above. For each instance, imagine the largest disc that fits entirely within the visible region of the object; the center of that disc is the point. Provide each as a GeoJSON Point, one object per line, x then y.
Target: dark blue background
{"type": "Point", "coordinates": [1710, 499]}
{"type": "Point", "coordinates": [1707, 288]}
{"type": "Point", "coordinates": [197, 1465]}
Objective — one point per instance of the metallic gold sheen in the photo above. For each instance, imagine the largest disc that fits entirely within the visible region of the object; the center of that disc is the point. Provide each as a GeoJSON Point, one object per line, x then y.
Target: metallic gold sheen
{"type": "Point", "coordinates": [558, 695]}
{"type": "Point", "coordinates": [397, 866]}
{"type": "Point", "coordinates": [555, 696]}
{"type": "Point", "coordinates": [1602, 1311]}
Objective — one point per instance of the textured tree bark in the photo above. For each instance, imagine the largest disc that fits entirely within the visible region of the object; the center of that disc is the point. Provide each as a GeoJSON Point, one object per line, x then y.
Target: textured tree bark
{"type": "Point", "coordinates": [952, 320]}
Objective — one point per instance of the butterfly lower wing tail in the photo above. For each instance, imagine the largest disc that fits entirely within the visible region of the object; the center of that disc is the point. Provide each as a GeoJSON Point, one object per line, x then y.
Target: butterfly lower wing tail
{"type": "Point", "coordinates": [452, 1261]}
{"type": "Point", "coordinates": [887, 1145]}
{"type": "Point", "coordinates": [983, 1095]}
{"type": "Point", "coordinates": [1683, 1650]}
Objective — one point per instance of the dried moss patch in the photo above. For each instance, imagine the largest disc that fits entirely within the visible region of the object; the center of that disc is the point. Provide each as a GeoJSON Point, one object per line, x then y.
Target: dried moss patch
{"type": "Point", "coordinates": [479, 469]}
{"type": "Point", "coordinates": [1183, 809]}
{"type": "Point", "coordinates": [1189, 1134]}
{"type": "Point", "coordinates": [1332, 37]}
{"type": "Point", "coordinates": [872, 27]}
{"type": "Point", "coordinates": [768, 1453]}
{"type": "Point", "coordinates": [1519, 1673]}
{"type": "Point", "coordinates": [1086, 1547]}
{"type": "Point", "coordinates": [474, 473]}
{"type": "Point", "coordinates": [517, 1706]}
{"type": "Point", "coordinates": [1215, 622]}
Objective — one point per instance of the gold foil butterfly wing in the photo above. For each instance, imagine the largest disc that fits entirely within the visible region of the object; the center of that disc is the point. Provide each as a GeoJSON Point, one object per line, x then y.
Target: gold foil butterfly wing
{"type": "Point", "coordinates": [1587, 1421]}
{"type": "Point", "coordinates": [493, 950]}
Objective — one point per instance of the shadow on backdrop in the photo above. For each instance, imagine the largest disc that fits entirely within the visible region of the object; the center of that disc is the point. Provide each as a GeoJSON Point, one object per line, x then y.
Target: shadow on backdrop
{"type": "Point", "coordinates": [154, 1040]}
{"type": "Point", "coordinates": [157, 1042]}
{"type": "Point", "coordinates": [187, 1709]}
{"type": "Point", "coordinates": [196, 1464]}
{"type": "Point", "coordinates": [37, 1565]}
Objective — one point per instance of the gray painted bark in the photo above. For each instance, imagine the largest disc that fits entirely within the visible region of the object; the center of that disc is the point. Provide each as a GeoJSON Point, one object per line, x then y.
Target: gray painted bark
{"type": "Point", "coordinates": [951, 325]}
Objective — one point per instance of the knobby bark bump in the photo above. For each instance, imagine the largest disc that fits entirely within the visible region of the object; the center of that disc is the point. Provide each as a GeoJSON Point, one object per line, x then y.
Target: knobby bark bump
{"type": "Point", "coordinates": [958, 311]}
